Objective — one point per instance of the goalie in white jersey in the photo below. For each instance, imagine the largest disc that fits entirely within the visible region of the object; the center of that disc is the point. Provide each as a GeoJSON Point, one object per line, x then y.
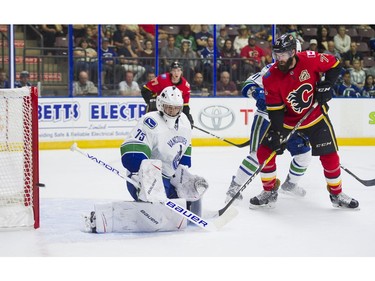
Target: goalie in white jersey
{"type": "Point", "coordinates": [157, 156]}
{"type": "Point", "coordinates": [297, 145]}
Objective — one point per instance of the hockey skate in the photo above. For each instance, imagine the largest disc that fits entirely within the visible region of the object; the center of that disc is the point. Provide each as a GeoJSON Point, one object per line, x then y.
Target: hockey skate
{"type": "Point", "coordinates": [90, 223]}
{"type": "Point", "coordinates": [343, 201]}
{"type": "Point", "coordinates": [292, 189]}
{"type": "Point", "coordinates": [266, 199]}
{"type": "Point", "coordinates": [232, 190]}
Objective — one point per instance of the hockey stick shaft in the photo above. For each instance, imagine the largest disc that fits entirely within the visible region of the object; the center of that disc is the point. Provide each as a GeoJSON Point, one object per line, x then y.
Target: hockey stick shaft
{"type": "Point", "coordinates": [225, 140]}
{"type": "Point", "coordinates": [222, 211]}
{"type": "Point", "coordinates": [169, 204]}
{"type": "Point", "coordinates": [364, 182]}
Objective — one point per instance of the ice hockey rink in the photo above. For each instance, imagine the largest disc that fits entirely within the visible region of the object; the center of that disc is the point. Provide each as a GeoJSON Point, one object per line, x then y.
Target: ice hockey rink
{"type": "Point", "coordinates": [297, 227]}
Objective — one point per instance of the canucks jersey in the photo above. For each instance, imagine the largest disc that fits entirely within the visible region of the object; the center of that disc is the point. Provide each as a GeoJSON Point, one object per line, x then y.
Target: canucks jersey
{"type": "Point", "coordinates": [151, 138]}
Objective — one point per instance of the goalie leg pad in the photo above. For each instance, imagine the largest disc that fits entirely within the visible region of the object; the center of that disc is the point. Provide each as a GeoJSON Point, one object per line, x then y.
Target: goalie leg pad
{"type": "Point", "coordinates": [151, 181]}
{"type": "Point", "coordinates": [132, 216]}
{"type": "Point", "coordinates": [188, 186]}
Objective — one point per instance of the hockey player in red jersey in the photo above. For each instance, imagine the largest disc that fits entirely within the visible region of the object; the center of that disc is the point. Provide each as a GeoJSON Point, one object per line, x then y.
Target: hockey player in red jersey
{"type": "Point", "coordinates": [173, 78]}
{"type": "Point", "coordinates": [292, 85]}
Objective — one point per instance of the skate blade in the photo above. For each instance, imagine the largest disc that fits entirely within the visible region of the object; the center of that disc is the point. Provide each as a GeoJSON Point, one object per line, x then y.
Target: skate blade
{"type": "Point", "coordinates": [337, 207]}
{"type": "Point", "coordinates": [266, 206]}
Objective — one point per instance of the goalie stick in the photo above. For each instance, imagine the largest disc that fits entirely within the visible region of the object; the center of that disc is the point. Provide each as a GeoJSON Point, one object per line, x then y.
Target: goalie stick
{"type": "Point", "coordinates": [364, 182]}
{"type": "Point", "coordinates": [194, 218]}
{"type": "Point", "coordinates": [224, 209]}
{"type": "Point", "coordinates": [220, 138]}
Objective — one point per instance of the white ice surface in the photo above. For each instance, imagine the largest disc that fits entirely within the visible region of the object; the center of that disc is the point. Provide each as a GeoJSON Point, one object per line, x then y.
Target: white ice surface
{"type": "Point", "coordinates": [296, 228]}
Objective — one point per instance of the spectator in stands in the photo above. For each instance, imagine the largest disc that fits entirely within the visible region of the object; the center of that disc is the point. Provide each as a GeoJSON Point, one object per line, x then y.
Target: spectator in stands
{"type": "Point", "coordinates": [4, 83]}
{"type": "Point", "coordinates": [223, 36]}
{"type": "Point", "coordinates": [169, 53]}
{"type": "Point", "coordinates": [107, 32]}
{"type": "Point", "coordinates": [241, 39]}
{"type": "Point", "coordinates": [230, 60]}
{"type": "Point", "coordinates": [313, 45]}
{"type": "Point", "coordinates": [331, 50]}
{"type": "Point", "coordinates": [225, 86]}
{"type": "Point", "coordinates": [112, 71]}
{"type": "Point", "coordinates": [84, 87]}
{"type": "Point", "coordinates": [342, 40]}
{"type": "Point", "coordinates": [368, 90]}
{"type": "Point", "coordinates": [129, 59]}
{"type": "Point", "coordinates": [199, 87]}
{"type": "Point", "coordinates": [260, 32]}
{"type": "Point", "coordinates": [129, 87]}
{"type": "Point", "coordinates": [186, 35]}
{"type": "Point", "coordinates": [296, 31]}
{"type": "Point", "coordinates": [147, 56]}
{"type": "Point", "coordinates": [50, 32]}
{"type": "Point", "coordinates": [86, 58]}
{"type": "Point", "coordinates": [323, 38]}
{"type": "Point", "coordinates": [351, 55]}
{"type": "Point", "coordinates": [91, 35]}
{"type": "Point", "coordinates": [346, 88]}
{"type": "Point", "coordinates": [253, 58]}
{"type": "Point", "coordinates": [202, 37]}
{"type": "Point", "coordinates": [207, 64]}
{"type": "Point", "coordinates": [357, 74]}
{"type": "Point", "coordinates": [123, 31]}
{"type": "Point", "coordinates": [24, 80]}
{"type": "Point", "coordinates": [147, 31]}
{"type": "Point", "coordinates": [79, 32]}
{"type": "Point", "coordinates": [189, 60]}
{"type": "Point", "coordinates": [149, 77]}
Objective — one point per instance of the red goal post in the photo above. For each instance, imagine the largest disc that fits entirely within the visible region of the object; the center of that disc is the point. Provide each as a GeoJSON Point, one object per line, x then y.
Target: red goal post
{"type": "Point", "coordinates": [19, 158]}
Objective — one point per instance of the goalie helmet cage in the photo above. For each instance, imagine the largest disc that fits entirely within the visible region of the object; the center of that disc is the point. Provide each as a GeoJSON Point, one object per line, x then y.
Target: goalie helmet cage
{"type": "Point", "coordinates": [19, 159]}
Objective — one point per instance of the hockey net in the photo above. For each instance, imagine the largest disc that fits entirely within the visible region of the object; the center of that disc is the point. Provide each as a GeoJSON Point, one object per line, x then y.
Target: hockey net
{"type": "Point", "coordinates": [19, 160]}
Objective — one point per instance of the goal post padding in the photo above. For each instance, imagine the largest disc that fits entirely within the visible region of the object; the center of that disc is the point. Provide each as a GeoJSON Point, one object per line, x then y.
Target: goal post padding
{"type": "Point", "coordinates": [19, 158]}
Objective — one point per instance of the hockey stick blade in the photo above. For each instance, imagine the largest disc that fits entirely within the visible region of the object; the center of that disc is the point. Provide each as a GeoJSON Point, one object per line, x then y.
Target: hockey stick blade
{"type": "Point", "coordinates": [194, 218]}
{"type": "Point", "coordinates": [364, 182]}
{"type": "Point", "coordinates": [225, 140]}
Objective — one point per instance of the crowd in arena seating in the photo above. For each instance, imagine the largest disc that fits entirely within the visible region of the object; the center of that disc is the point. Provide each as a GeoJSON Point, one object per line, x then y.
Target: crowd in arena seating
{"type": "Point", "coordinates": [241, 50]}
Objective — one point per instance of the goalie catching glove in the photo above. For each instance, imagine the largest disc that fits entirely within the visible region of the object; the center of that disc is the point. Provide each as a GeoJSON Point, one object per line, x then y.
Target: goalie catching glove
{"type": "Point", "coordinates": [188, 186]}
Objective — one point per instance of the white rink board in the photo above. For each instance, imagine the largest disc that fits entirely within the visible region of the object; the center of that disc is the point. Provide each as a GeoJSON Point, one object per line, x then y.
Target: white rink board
{"type": "Point", "coordinates": [72, 119]}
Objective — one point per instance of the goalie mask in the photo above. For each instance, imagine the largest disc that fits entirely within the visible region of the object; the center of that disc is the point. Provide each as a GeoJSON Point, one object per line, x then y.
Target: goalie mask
{"type": "Point", "coordinates": [169, 103]}
{"type": "Point", "coordinates": [282, 51]}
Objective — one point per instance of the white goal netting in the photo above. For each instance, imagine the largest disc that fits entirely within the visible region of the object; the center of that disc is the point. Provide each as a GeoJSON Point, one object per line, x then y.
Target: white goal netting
{"type": "Point", "coordinates": [16, 158]}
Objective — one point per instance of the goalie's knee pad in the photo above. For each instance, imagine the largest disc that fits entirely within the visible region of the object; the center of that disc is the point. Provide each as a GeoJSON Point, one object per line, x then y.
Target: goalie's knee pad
{"type": "Point", "coordinates": [188, 186]}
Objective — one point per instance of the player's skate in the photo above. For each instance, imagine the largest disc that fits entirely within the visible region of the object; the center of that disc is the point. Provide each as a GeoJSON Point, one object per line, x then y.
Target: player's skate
{"type": "Point", "coordinates": [292, 189]}
{"type": "Point", "coordinates": [343, 201]}
{"type": "Point", "coordinates": [232, 190]}
{"type": "Point", "coordinates": [266, 199]}
{"type": "Point", "coordinates": [90, 222]}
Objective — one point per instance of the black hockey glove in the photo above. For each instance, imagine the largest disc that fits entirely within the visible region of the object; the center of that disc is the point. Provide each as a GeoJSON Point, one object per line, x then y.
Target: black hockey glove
{"type": "Point", "coordinates": [186, 110]}
{"type": "Point", "coordinates": [191, 120]}
{"type": "Point", "coordinates": [274, 140]}
{"type": "Point", "coordinates": [323, 92]}
{"type": "Point", "coordinates": [151, 105]}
